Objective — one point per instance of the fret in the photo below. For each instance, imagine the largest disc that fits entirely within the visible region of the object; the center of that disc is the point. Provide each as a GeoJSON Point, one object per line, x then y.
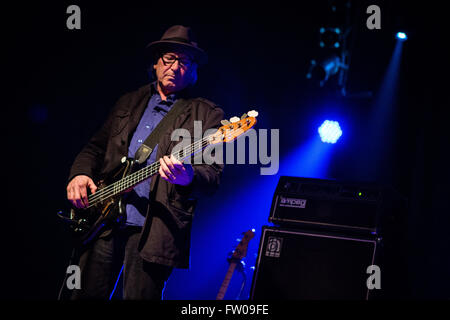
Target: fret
{"type": "Point", "coordinates": [226, 281]}
{"type": "Point", "coordinates": [142, 174]}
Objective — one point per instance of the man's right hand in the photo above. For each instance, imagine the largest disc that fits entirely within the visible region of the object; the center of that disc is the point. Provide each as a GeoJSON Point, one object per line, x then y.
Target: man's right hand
{"type": "Point", "coordinates": [77, 191]}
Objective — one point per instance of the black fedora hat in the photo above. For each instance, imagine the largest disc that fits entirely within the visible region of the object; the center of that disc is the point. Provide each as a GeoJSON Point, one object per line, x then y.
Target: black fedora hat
{"type": "Point", "coordinates": [181, 38]}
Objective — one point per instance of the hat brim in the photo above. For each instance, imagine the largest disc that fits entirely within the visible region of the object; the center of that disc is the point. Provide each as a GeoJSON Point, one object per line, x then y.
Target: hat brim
{"type": "Point", "coordinates": [198, 54]}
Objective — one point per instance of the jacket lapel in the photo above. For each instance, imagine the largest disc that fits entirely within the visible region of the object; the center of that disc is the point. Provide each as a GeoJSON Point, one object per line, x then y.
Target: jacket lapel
{"type": "Point", "coordinates": [137, 112]}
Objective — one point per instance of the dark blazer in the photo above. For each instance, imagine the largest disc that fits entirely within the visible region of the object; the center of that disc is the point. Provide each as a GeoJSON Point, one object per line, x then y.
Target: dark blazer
{"type": "Point", "coordinates": [165, 237]}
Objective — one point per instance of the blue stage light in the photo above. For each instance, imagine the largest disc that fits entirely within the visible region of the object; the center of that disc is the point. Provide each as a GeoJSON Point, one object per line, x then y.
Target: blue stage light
{"type": "Point", "coordinates": [330, 131]}
{"type": "Point", "coordinates": [402, 36]}
{"type": "Point", "coordinates": [322, 70]}
{"type": "Point", "coordinates": [330, 37]}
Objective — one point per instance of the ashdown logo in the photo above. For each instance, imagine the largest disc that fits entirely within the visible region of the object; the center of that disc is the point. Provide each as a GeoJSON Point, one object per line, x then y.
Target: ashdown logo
{"type": "Point", "coordinates": [292, 202]}
{"type": "Point", "coordinates": [274, 247]}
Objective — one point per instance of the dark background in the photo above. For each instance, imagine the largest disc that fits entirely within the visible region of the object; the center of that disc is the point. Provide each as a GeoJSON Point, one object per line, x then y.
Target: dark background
{"type": "Point", "coordinates": [60, 84]}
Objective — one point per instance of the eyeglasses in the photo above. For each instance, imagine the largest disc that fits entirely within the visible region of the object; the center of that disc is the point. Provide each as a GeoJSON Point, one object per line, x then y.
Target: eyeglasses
{"type": "Point", "coordinates": [169, 59]}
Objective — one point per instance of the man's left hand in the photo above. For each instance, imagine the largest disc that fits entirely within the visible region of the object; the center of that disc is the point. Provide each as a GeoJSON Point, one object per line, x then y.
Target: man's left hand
{"type": "Point", "coordinates": [175, 172]}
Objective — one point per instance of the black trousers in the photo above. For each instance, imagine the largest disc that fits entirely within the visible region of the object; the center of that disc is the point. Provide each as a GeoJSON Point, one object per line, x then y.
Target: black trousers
{"type": "Point", "coordinates": [101, 263]}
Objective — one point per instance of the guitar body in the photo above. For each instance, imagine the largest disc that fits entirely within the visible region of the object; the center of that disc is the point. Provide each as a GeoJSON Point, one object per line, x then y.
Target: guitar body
{"type": "Point", "coordinates": [92, 221]}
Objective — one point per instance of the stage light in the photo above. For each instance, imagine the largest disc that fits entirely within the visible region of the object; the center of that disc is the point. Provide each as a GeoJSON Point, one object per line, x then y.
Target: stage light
{"type": "Point", "coordinates": [401, 36]}
{"type": "Point", "coordinates": [330, 131]}
{"type": "Point", "coordinates": [330, 37]}
{"type": "Point", "coordinates": [322, 70]}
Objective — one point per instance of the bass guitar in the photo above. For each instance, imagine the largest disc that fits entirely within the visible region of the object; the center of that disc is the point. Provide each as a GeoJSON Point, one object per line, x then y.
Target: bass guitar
{"type": "Point", "coordinates": [106, 207]}
{"type": "Point", "coordinates": [238, 254]}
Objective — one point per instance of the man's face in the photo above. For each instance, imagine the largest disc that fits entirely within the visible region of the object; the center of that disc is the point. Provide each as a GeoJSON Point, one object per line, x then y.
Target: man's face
{"type": "Point", "coordinates": [175, 71]}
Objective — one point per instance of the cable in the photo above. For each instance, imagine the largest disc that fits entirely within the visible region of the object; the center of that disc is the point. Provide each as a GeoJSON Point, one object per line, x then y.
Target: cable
{"type": "Point", "coordinates": [72, 256]}
{"type": "Point", "coordinates": [115, 285]}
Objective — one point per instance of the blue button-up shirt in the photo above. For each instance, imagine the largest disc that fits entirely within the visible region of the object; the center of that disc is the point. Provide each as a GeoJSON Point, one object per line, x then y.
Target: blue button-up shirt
{"type": "Point", "coordinates": [137, 199]}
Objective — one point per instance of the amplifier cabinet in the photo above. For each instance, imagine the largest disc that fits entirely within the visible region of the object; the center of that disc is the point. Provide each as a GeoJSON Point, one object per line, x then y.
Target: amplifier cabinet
{"type": "Point", "coordinates": [329, 204]}
{"type": "Point", "coordinates": [303, 265]}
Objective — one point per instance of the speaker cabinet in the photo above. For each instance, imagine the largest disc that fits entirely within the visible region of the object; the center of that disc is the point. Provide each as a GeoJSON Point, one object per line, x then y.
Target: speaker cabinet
{"type": "Point", "coordinates": [310, 265]}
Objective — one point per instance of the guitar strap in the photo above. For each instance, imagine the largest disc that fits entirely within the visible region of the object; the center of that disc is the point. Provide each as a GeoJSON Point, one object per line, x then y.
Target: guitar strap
{"type": "Point", "coordinates": [144, 151]}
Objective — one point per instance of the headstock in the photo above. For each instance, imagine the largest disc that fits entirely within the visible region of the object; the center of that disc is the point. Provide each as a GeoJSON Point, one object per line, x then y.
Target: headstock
{"type": "Point", "coordinates": [241, 250]}
{"type": "Point", "coordinates": [233, 128]}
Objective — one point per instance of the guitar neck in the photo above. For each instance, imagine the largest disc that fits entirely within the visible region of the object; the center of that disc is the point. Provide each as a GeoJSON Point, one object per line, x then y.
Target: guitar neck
{"type": "Point", "coordinates": [226, 281]}
{"type": "Point", "coordinates": [228, 132]}
{"type": "Point", "coordinates": [137, 177]}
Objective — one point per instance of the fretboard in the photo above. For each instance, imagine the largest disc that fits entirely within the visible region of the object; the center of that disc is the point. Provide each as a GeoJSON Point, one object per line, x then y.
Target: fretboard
{"type": "Point", "coordinates": [141, 175]}
{"type": "Point", "coordinates": [226, 281]}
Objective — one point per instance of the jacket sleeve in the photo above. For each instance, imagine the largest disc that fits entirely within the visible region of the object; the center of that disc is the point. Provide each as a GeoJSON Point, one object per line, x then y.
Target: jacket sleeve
{"type": "Point", "coordinates": [206, 176]}
{"type": "Point", "coordinates": [89, 161]}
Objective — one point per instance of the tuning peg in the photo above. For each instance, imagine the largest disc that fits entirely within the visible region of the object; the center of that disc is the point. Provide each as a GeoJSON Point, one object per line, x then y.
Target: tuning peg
{"type": "Point", "coordinates": [234, 119]}
{"type": "Point", "coordinates": [253, 113]}
{"type": "Point", "coordinates": [225, 122]}
{"type": "Point", "coordinates": [244, 116]}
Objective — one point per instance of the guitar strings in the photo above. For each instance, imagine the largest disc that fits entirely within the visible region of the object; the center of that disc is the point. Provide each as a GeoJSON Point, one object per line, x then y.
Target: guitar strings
{"type": "Point", "coordinates": [147, 172]}
{"type": "Point", "coordinates": [151, 169]}
{"type": "Point", "coordinates": [124, 184]}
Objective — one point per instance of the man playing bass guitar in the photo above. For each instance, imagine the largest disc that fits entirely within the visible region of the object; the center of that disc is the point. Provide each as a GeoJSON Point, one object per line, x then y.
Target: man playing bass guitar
{"type": "Point", "coordinates": [155, 236]}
